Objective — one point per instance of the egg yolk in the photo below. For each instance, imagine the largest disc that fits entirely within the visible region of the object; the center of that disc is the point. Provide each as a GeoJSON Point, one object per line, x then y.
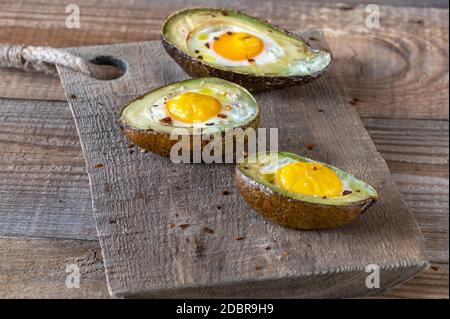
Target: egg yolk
{"type": "Point", "coordinates": [309, 179]}
{"type": "Point", "coordinates": [238, 46]}
{"type": "Point", "coordinates": [191, 107]}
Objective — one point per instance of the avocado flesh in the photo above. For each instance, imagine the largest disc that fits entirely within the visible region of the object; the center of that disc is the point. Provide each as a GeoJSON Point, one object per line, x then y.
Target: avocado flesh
{"type": "Point", "coordinates": [136, 116]}
{"type": "Point", "coordinates": [150, 134]}
{"type": "Point", "coordinates": [298, 63]}
{"type": "Point", "coordinates": [298, 210]}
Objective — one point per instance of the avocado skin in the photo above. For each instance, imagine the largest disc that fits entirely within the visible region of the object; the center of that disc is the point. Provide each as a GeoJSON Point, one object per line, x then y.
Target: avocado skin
{"type": "Point", "coordinates": [160, 143]}
{"type": "Point", "coordinates": [254, 83]}
{"type": "Point", "coordinates": [294, 213]}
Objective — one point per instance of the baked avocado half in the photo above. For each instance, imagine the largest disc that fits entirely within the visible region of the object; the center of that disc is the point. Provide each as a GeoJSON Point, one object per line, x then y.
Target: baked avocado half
{"type": "Point", "coordinates": [301, 193]}
{"type": "Point", "coordinates": [231, 45]}
{"type": "Point", "coordinates": [204, 107]}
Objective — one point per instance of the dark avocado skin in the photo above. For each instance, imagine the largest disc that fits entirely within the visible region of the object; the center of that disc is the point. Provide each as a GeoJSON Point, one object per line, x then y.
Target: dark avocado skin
{"type": "Point", "coordinates": [254, 83]}
{"type": "Point", "coordinates": [293, 213]}
{"type": "Point", "coordinates": [160, 143]}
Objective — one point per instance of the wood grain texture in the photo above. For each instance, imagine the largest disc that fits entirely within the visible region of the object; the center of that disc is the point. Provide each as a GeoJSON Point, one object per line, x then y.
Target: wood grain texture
{"type": "Point", "coordinates": [428, 201]}
{"type": "Point", "coordinates": [417, 147]}
{"type": "Point", "coordinates": [420, 171]}
{"type": "Point", "coordinates": [45, 188]}
{"type": "Point", "coordinates": [432, 283]}
{"type": "Point", "coordinates": [35, 268]}
{"type": "Point", "coordinates": [137, 198]}
{"type": "Point", "coordinates": [399, 70]}
{"type": "Point", "coordinates": [19, 23]}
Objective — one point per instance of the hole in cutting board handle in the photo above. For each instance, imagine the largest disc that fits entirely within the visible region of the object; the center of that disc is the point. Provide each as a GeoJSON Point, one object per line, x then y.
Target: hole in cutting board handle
{"type": "Point", "coordinates": [111, 68]}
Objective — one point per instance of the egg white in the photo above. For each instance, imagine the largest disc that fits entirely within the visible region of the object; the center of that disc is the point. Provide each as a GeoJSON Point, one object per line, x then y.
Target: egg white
{"type": "Point", "coordinates": [270, 53]}
{"type": "Point", "coordinates": [235, 111]}
{"type": "Point", "coordinates": [273, 164]}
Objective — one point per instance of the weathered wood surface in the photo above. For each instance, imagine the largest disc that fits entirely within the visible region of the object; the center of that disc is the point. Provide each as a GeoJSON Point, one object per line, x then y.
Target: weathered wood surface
{"type": "Point", "coordinates": [399, 70]}
{"type": "Point", "coordinates": [45, 189]}
{"type": "Point", "coordinates": [37, 269]}
{"type": "Point", "coordinates": [418, 147]}
{"type": "Point", "coordinates": [34, 151]}
{"type": "Point", "coordinates": [137, 197]}
{"type": "Point", "coordinates": [432, 283]}
{"type": "Point", "coordinates": [417, 153]}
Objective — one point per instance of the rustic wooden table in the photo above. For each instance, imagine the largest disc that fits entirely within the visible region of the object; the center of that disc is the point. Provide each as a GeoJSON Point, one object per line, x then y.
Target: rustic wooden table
{"type": "Point", "coordinates": [396, 76]}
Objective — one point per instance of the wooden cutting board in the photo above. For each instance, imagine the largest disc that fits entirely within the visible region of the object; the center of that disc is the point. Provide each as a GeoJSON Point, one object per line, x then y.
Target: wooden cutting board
{"type": "Point", "coordinates": [151, 214]}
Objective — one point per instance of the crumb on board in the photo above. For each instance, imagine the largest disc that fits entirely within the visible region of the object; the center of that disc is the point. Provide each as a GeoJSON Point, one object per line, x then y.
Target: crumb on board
{"type": "Point", "coordinates": [208, 230]}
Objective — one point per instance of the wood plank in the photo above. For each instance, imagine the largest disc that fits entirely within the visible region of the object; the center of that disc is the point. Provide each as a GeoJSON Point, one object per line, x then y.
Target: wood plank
{"type": "Point", "coordinates": [38, 22]}
{"type": "Point", "coordinates": [38, 90]}
{"type": "Point", "coordinates": [17, 84]}
{"type": "Point", "coordinates": [178, 261]}
{"type": "Point", "coordinates": [432, 283]}
{"type": "Point", "coordinates": [400, 70]}
{"type": "Point", "coordinates": [43, 182]}
{"type": "Point", "coordinates": [35, 268]}
{"type": "Point", "coordinates": [45, 188]}
{"type": "Point", "coordinates": [428, 201]}
{"type": "Point", "coordinates": [421, 173]}
{"type": "Point", "coordinates": [418, 147]}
